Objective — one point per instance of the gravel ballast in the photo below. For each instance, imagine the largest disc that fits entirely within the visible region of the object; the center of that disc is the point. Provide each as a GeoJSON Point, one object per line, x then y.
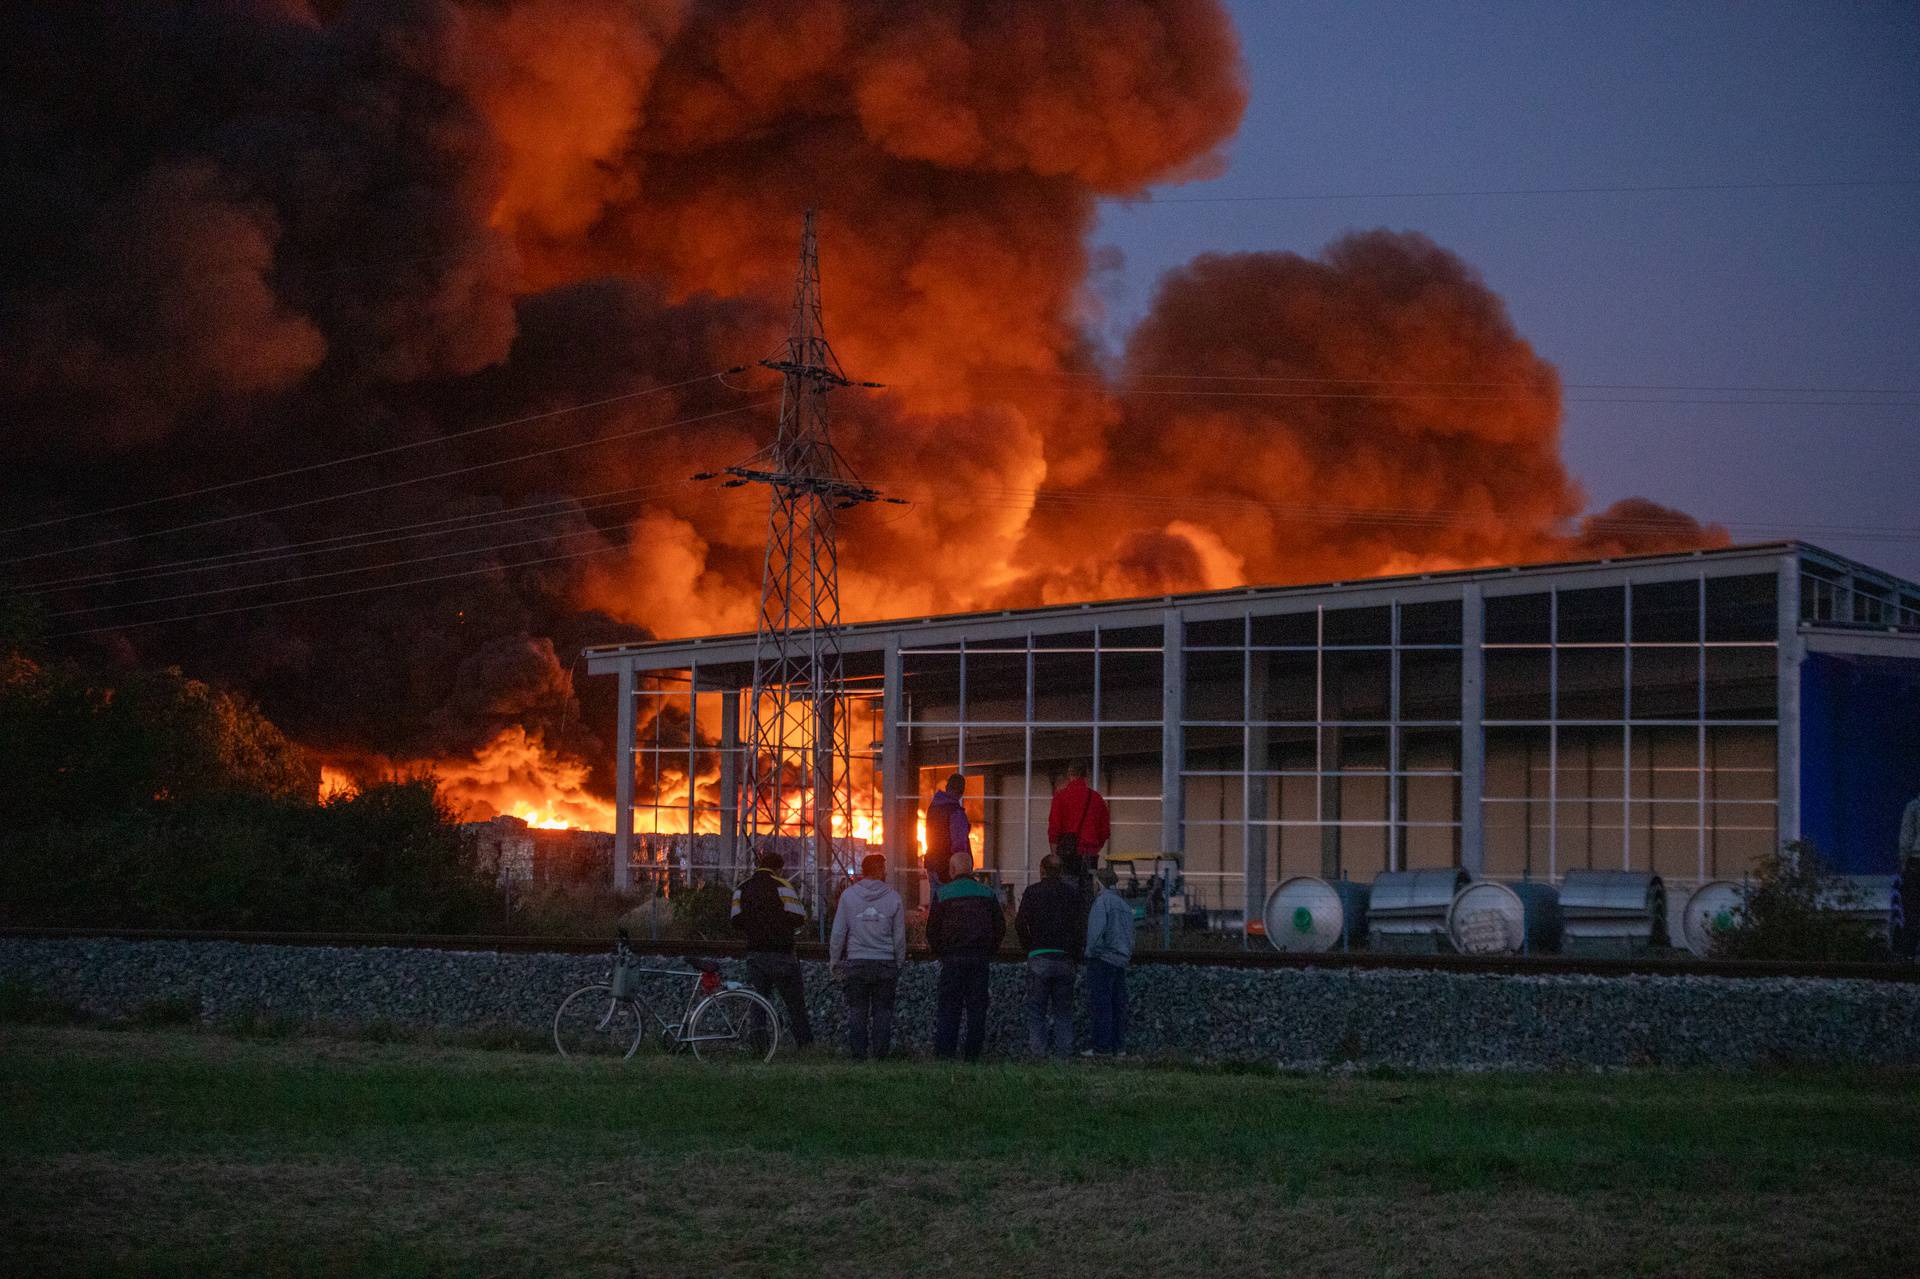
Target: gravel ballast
{"type": "Point", "coordinates": [1311, 1018]}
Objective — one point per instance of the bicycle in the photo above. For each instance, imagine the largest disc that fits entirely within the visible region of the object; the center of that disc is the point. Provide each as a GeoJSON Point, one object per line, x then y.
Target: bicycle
{"type": "Point", "coordinates": [722, 1020]}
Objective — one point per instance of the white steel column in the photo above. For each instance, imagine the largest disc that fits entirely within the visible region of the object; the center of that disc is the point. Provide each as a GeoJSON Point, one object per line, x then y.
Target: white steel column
{"type": "Point", "coordinates": [1792, 653]}
{"type": "Point", "coordinates": [1473, 732]}
{"type": "Point", "coordinates": [1173, 710]}
{"type": "Point", "coordinates": [730, 779]}
{"type": "Point", "coordinates": [1253, 790]}
{"type": "Point", "coordinates": [623, 785]}
{"type": "Point", "coordinates": [896, 822]}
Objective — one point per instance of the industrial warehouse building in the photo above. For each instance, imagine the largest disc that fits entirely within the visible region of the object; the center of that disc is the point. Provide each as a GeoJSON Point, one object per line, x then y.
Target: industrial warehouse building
{"type": "Point", "coordinates": [1678, 714]}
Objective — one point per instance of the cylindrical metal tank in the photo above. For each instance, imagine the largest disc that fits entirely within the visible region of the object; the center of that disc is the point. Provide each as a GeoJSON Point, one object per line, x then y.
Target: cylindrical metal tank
{"type": "Point", "coordinates": [1407, 909]}
{"type": "Point", "coordinates": [1307, 913]}
{"type": "Point", "coordinates": [1713, 908]}
{"type": "Point", "coordinates": [1491, 918]}
{"type": "Point", "coordinates": [1612, 911]}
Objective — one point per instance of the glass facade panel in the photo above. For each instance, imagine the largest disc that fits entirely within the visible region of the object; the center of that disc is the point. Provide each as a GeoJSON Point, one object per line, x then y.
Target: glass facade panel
{"type": "Point", "coordinates": [1287, 630]}
{"type": "Point", "coordinates": [931, 682]}
{"type": "Point", "coordinates": [1216, 684]}
{"type": "Point", "coordinates": [1213, 748]}
{"type": "Point", "coordinates": [1357, 684]}
{"type": "Point", "coordinates": [1357, 626]}
{"type": "Point", "coordinates": [1130, 685]}
{"type": "Point", "coordinates": [1519, 619]}
{"type": "Point", "coordinates": [1597, 615]}
{"type": "Point", "coordinates": [1666, 613]}
{"type": "Point", "coordinates": [1063, 685]}
{"type": "Point", "coordinates": [1430, 622]}
{"type": "Point", "coordinates": [1430, 684]}
{"type": "Point", "coordinates": [1227, 632]}
{"type": "Point", "coordinates": [1666, 683]}
{"type": "Point", "coordinates": [1664, 764]}
{"type": "Point", "coordinates": [997, 684]}
{"type": "Point", "coordinates": [1283, 748]}
{"type": "Point", "coordinates": [1742, 683]}
{"type": "Point", "coordinates": [1592, 683]}
{"type": "Point", "coordinates": [1517, 683]}
{"type": "Point", "coordinates": [1742, 763]}
{"type": "Point", "coordinates": [1743, 608]}
{"type": "Point", "coordinates": [1287, 687]}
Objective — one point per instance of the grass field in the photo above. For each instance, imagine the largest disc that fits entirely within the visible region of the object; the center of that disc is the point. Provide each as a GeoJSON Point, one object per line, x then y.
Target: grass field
{"type": "Point", "coordinates": [184, 1153]}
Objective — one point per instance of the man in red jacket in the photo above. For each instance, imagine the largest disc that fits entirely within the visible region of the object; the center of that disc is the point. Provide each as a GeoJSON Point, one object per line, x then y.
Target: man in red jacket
{"type": "Point", "coordinates": [1077, 825]}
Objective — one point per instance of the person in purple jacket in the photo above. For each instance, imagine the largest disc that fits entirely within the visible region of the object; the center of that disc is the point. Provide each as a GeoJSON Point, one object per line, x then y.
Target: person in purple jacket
{"type": "Point", "coordinates": [948, 855]}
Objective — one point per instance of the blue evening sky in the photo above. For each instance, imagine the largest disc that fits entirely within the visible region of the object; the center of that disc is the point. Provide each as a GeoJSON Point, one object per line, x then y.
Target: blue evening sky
{"type": "Point", "coordinates": [1815, 288]}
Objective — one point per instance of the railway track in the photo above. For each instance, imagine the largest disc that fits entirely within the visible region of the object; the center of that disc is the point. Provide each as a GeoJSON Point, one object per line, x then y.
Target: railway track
{"type": "Point", "coordinates": [1646, 966]}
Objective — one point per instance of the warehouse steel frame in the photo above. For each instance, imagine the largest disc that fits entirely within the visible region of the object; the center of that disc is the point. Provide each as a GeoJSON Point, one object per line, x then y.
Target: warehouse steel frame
{"type": "Point", "coordinates": [1421, 746]}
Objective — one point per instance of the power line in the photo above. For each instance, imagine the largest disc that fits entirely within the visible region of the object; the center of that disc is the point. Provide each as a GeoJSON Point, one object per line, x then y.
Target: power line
{"type": "Point", "coordinates": [462, 552]}
{"type": "Point", "coordinates": [1659, 188]}
{"type": "Point", "coordinates": [361, 457]}
{"type": "Point", "coordinates": [343, 572]}
{"type": "Point", "coordinates": [1013, 498]}
{"type": "Point", "coordinates": [345, 541]}
{"type": "Point", "coordinates": [1126, 376]}
{"type": "Point", "coordinates": [380, 488]}
{"type": "Point", "coordinates": [330, 595]}
{"type": "Point", "coordinates": [1195, 393]}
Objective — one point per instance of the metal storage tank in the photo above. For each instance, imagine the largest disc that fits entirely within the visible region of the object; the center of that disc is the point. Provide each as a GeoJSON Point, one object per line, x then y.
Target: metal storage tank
{"type": "Point", "coordinates": [1712, 907]}
{"type": "Point", "coordinates": [1407, 909]}
{"type": "Point", "coordinates": [1307, 914]}
{"type": "Point", "coordinates": [1612, 911]}
{"type": "Point", "coordinates": [1491, 918]}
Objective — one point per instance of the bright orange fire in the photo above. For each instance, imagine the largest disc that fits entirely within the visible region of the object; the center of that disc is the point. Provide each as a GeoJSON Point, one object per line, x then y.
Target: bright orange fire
{"type": "Point", "coordinates": [515, 774]}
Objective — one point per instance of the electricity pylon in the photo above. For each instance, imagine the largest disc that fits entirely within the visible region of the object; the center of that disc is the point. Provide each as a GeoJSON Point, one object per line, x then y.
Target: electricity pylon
{"type": "Point", "coordinates": [797, 781]}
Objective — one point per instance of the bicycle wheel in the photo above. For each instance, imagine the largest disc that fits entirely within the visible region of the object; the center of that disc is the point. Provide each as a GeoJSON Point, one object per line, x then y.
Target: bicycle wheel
{"type": "Point", "coordinates": [592, 1023]}
{"type": "Point", "coordinates": [734, 1025]}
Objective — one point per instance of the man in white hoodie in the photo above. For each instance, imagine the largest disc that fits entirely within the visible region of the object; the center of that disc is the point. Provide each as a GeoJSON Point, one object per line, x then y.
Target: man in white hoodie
{"type": "Point", "coordinates": [868, 945]}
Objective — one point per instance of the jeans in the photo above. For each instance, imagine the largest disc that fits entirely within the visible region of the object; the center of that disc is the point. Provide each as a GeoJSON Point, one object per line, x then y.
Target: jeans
{"type": "Point", "coordinates": [770, 972]}
{"type": "Point", "coordinates": [1107, 1002]}
{"type": "Point", "coordinates": [1049, 1004]}
{"type": "Point", "coordinates": [962, 988]}
{"type": "Point", "coordinates": [870, 985]}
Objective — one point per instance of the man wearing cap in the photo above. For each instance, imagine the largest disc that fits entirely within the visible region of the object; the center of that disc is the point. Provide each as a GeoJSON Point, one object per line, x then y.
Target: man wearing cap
{"type": "Point", "coordinates": [768, 910]}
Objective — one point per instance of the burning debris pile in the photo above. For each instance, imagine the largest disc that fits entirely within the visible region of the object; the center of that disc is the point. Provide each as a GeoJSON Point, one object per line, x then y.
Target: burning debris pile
{"type": "Point", "coordinates": [255, 237]}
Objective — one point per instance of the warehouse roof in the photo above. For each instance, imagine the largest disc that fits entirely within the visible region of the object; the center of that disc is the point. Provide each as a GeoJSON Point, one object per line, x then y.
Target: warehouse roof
{"type": "Point", "coordinates": [872, 636]}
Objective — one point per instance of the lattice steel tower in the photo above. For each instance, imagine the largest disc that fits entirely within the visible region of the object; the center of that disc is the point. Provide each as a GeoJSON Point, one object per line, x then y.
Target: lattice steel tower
{"type": "Point", "coordinates": [797, 789]}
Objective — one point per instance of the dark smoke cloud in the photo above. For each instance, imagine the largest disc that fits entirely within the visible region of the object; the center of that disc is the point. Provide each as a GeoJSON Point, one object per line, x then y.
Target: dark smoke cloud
{"type": "Point", "coordinates": [249, 236]}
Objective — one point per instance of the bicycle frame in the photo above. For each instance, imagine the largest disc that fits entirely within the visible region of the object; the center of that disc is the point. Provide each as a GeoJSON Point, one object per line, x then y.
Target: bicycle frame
{"type": "Point", "coordinates": [674, 1031]}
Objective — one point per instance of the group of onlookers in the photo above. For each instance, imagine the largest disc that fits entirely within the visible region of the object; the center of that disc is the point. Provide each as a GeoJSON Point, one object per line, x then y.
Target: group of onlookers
{"type": "Point", "coordinates": [1071, 918]}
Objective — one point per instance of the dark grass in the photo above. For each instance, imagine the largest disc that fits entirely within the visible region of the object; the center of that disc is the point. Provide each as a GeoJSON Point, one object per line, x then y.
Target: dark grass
{"type": "Point", "coordinates": [477, 1158]}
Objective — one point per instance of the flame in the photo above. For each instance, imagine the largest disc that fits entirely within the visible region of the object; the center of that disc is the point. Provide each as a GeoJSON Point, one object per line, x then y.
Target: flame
{"type": "Point", "coordinates": [517, 774]}
{"type": "Point", "coordinates": [336, 782]}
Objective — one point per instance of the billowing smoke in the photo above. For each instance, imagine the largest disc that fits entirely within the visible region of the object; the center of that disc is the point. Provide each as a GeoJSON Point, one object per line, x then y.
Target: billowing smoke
{"type": "Point", "coordinates": [249, 237]}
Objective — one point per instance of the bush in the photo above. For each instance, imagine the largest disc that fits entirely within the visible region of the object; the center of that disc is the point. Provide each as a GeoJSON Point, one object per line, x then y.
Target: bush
{"type": "Point", "coordinates": [702, 912]}
{"type": "Point", "coordinates": [1793, 910]}
{"type": "Point", "coordinates": [554, 908]}
{"type": "Point", "coordinates": [388, 858]}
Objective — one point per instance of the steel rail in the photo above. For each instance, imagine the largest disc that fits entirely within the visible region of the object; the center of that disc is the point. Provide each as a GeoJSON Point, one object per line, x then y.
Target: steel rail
{"type": "Point", "coordinates": [1503, 965]}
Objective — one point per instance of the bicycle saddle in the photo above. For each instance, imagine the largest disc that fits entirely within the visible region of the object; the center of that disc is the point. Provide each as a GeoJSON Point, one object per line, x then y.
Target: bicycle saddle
{"type": "Point", "coordinates": [703, 965]}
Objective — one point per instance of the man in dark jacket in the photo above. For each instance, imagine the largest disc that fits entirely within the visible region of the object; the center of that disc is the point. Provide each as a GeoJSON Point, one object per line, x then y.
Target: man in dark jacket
{"type": "Point", "coordinates": [964, 929]}
{"type": "Point", "coordinates": [947, 833]}
{"type": "Point", "coordinates": [1053, 927]}
{"type": "Point", "coordinates": [768, 910]}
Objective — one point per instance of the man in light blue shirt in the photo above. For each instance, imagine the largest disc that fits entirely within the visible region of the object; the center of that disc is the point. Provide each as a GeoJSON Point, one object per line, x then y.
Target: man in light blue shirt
{"type": "Point", "coordinates": [1109, 951]}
